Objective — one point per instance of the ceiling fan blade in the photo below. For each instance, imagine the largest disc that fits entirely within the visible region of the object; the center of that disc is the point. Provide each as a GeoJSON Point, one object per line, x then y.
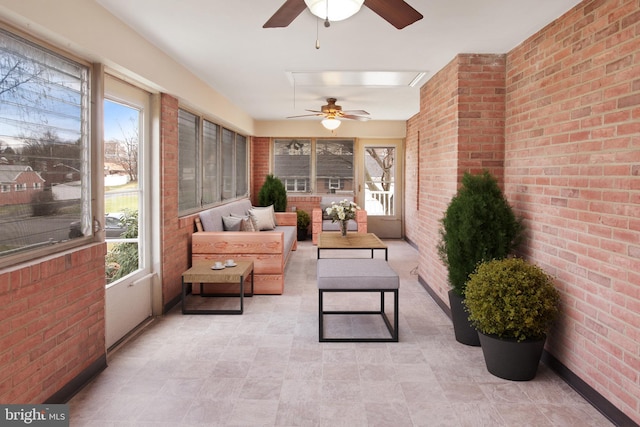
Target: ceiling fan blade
{"type": "Point", "coordinates": [305, 115]}
{"type": "Point", "coordinates": [360, 112]}
{"type": "Point", "coordinates": [353, 117]}
{"type": "Point", "coordinates": [397, 12]}
{"type": "Point", "coordinates": [286, 14]}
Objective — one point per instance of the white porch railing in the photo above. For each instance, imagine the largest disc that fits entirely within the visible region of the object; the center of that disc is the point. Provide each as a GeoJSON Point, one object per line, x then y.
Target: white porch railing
{"type": "Point", "coordinates": [379, 202]}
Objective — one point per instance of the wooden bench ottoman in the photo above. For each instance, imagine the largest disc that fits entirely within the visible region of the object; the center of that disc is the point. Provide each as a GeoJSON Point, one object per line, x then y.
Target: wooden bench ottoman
{"type": "Point", "coordinates": [358, 275]}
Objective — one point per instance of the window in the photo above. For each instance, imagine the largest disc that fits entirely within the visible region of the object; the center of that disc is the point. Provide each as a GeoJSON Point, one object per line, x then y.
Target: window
{"type": "Point", "coordinates": [227, 164]}
{"type": "Point", "coordinates": [296, 185]}
{"type": "Point", "coordinates": [188, 154]}
{"type": "Point", "coordinates": [334, 165]}
{"type": "Point", "coordinates": [210, 186]}
{"type": "Point", "coordinates": [335, 184]}
{"type": "Point", "coordinates": [44, 150]}
{"type": "Point", "coordinates": [333, 159]}
{"type": "Point", "coordinates": [212, 163]}
{"type": "Point", "coordinates": [292, 164]}
{"type": "Point", "coordinates": [242, 186]}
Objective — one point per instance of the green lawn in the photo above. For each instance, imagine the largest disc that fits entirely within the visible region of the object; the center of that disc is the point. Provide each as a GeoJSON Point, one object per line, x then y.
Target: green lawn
{"type": "Point", "coordinates": [115, 202]}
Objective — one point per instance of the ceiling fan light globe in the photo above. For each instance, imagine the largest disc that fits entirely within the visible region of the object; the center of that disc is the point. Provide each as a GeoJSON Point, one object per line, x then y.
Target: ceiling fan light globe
{"type": "Point", "coordinates": [338, 10]}
{"type": "Point", "coordinates": [331, 123]}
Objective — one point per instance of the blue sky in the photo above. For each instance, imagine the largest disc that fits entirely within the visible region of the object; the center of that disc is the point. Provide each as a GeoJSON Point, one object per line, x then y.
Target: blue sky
{"type": "Point", "coordinates": [117, 121]}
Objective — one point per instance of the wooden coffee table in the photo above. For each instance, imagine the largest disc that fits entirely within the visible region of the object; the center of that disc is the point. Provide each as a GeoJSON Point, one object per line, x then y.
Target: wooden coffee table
{"type": "Point", "coordinates": [351, 241]}
{"type": "Point", "coordinates": [201, 272]}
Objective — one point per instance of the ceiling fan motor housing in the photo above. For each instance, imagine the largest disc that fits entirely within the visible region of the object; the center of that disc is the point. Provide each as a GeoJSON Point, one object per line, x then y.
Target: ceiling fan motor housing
{"type": "Point", "coordinates": [331, 106]}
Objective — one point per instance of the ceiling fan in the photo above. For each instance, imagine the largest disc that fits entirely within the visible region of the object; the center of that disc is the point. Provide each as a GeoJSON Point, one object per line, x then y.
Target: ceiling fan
{"type": "Point", "coordinates": [332, 112]}
{"type": "Point", "coordinates": [397, 12]}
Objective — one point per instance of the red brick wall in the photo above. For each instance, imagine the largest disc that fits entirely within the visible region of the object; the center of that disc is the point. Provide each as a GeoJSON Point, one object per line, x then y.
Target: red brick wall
{"type": "Point", "coordinates": [306, 203]}
{"type": "Point", "coordinates": [562, 113]}
{"type": "Point", "coordinates": [438, 169]}
{"type": "Point", "coordinates": [259, 166]}
{"type": "Point", "coordinates": [52, 325]}
{"type": "Point", "coordinates": [572, 169]}
{"type": "Point", "coordinates": [411, 180]}
{"type": "Point", "coordinates": [461, 129]}
{"type": "Point", "coordinates": [481, 97]}
{"type": "Point", "coordinates": [176, 231]}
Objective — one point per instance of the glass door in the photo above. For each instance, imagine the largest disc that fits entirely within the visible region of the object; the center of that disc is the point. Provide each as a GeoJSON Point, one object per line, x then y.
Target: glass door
{"type": "Point", "coordinates": [126, 207]}
{"type": "Point", "coordinates": [382, 189]}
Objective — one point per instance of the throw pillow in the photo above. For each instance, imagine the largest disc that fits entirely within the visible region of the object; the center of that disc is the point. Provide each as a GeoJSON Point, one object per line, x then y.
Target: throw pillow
{"type": "Point", "coordinates": [270, 209]}
{"type": "Point", "coordinates": [231, 223]}
{"type": "Point", "coordinates": [263, 217]}
{"type": "Point", "coordinates": [248, 224]}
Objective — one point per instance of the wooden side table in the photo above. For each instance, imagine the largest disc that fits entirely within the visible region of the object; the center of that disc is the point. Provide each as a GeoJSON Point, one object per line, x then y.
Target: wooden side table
{"type": "Point", "coordinates": [201, 272]}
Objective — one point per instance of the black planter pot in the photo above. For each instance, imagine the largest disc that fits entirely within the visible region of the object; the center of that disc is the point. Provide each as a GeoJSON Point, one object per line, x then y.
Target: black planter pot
{"type": "Point", "coordinates": [302, 234]}
{"type": "Point", "coordinates": [509, 359]}
{"type": "Point", "coordinates": [464, 332]}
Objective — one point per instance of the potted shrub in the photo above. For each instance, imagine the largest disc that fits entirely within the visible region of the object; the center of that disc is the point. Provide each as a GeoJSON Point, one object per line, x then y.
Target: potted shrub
{"type": "Point", "coordinates": [303, 224]}
{"type": "Point", "coordinates": [512, 304]}
{"type": "Point", "coordinates": [478, 225]}
{"type": "Point", "coordinates": [273, 193]}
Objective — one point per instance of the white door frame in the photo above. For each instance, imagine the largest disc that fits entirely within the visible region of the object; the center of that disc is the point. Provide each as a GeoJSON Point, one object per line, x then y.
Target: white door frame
{"type": "Point", "coordinates": [384, 226]}
{"type": "Point", "coordinates": [130, 300]}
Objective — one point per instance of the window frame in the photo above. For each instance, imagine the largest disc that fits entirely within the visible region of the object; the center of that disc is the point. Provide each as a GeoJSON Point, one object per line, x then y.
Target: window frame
{"type": "Point", "coordinates": [311, 186]}
{"type": "Point", "coordinates": [89, 96]}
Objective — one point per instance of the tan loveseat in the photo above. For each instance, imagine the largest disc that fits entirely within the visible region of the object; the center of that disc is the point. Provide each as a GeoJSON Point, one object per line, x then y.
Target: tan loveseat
{"type": "Point", "coordinates": [269, 250]}
{"type": "Point", "coordinates": [320, 223]}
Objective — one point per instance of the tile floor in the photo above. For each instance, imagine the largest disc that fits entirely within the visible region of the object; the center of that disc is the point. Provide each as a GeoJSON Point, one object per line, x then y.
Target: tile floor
{"type": "Point", "coordinates": [267, 368]}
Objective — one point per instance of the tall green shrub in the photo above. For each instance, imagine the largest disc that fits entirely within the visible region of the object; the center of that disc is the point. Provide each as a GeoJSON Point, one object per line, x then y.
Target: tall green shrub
{"type": "Point", "coordinates": [273, 193]}
{"type": "Point", "coordinates": [478, 225]}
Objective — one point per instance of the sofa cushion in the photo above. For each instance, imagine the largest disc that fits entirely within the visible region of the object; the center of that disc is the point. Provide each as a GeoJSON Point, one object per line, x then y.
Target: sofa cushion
{"type": "Point", "coordinates": [290, 235]}
{"type": "Point", "coordinates": [264, 217]}
{"type": "Point", "coordinates": [366, 274]}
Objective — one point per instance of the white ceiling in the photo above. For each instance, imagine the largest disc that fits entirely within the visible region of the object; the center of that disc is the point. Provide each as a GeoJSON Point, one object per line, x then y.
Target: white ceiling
{"type": "Point", "coordinates": [223, 43]}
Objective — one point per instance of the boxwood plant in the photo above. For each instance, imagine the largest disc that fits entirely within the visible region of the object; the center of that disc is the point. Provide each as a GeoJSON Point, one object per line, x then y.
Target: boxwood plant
{"type": "Point", "coordinates": [511, 299]}
{"type": "Point", "coordinates": [478, 225]}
